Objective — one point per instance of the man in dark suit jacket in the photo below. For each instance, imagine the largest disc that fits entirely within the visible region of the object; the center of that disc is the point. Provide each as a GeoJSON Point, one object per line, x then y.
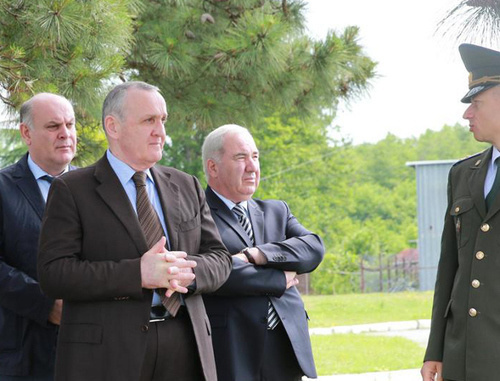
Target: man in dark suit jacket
{"type": "Point", "coordinates": [464, 342]}
{"type": "Point", "coordinates": [28, 318]}
{"type": "Point", "coordinates": [95, 256]}
{"type": "Point", "coordinates": [248, 344]}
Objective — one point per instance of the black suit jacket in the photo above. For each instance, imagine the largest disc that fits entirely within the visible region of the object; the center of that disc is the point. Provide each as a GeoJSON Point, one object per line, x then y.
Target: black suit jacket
{"type": "Point", "coordinates": [26, 337]}
{"type": "Point", "coordinates": [465, 326]}
{"type": "Point", "coordinates": [238, 311]}
{"type": "Point", "coordinates": [91, 244]}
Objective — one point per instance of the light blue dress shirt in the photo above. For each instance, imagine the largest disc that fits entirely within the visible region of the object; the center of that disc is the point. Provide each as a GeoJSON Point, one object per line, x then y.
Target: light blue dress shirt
{"type": "Point", "coordinates": [231, 204]}
{"type": "Point", "coordinates": [492, 172]}
{"type": "Point", "coordinates": [38, 173]}
{"type": "Point", "coordinates": [124, 173]}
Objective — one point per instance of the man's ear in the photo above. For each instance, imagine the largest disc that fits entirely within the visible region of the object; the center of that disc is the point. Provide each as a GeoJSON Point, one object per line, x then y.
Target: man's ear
{"type": "Point", "coordinates": [25, 133]}
{"type": "Point", "coordinates": [212, 168]}
{"type": "Point", "coordinates": [111, 125]}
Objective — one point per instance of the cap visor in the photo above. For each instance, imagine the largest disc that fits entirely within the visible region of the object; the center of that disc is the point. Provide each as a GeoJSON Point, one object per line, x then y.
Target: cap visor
{"type": "Point", "coordinates": [476, 90]}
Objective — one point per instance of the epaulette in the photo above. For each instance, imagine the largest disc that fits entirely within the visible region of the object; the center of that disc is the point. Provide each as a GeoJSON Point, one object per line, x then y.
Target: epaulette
{"type": "Point", "coordinates": [471, 157]}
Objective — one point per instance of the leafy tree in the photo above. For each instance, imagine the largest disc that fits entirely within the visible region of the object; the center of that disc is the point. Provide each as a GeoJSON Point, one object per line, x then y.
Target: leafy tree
{"type": "Point", "coordinates": [451, 142]}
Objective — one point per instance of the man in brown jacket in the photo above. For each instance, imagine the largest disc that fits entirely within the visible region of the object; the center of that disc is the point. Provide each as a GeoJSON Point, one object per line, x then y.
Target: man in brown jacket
{"type": "Point", "coordinates": [464, 343]}
{"type": "Point", "coordinates": [97, 255]}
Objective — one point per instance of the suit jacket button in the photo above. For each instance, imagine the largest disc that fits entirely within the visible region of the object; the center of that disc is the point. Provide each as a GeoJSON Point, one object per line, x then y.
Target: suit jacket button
{"type": "Point", "coordinates": [485, 227]}
{"type": "Point", "coordinates": [145, 328]}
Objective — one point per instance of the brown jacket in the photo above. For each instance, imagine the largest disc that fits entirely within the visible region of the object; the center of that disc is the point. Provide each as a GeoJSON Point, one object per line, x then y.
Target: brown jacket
{"type": "Point", "coordinates": [465, 329]}
{"type": "Point", "coordinates": [90, 249]}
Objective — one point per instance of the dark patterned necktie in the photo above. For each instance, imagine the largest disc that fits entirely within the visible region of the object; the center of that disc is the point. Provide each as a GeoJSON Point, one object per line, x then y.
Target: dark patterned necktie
{"type": "Point", "coordinates": [153, 231]}
{"type": "Point", "coordinates": [47, 178]}
{"type": "Point", "coordinates": [272, 316]}
{"type": "Point", "coordinates": [492, 194]}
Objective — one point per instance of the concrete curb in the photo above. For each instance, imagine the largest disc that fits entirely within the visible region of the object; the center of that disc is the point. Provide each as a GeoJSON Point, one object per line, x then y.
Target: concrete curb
{"type": "Point", "coordinates": [376, 327]}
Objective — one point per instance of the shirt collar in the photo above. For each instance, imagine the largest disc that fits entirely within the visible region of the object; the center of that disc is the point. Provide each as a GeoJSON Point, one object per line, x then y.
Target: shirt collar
{"type": "Point", "coordinates": [123, 170]}
{"type": "Point", "coordinates": [231, 204]}
{"type": "Point", "coordinates": [495, 154]}
{"type": "Point", "coordinates": [39, 172]}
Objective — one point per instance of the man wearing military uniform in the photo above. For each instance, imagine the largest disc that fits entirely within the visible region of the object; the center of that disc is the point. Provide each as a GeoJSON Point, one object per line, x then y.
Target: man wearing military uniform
{"type": "Point", "coordinates": [464, 342]}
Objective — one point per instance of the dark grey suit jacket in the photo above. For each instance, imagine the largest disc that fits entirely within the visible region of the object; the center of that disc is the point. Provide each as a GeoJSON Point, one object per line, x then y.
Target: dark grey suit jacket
{"type": "Point", "coordinates": [90, 249]}
{"type": "Point", "coordinates": [238, 311]}
{"type": "Point", "coordinates": [27, 339]}
{"type": "Point", "coordinates": [465, 327]}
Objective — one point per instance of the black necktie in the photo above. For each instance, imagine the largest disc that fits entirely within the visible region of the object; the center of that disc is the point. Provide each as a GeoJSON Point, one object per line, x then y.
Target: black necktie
{"type": "Point", "coordinates": [153, 231]}
{"type": "Point", "coordinates": [47, 178]}
{"type": "Point", "coordinates": [490, 197]}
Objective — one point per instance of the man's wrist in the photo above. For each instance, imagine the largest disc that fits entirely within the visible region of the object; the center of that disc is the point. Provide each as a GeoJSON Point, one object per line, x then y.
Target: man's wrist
{"type": "Point", "coordinates": [246, 252]}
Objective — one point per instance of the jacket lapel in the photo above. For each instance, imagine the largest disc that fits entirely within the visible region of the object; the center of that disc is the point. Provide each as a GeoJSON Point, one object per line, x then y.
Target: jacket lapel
{"type": "Point", "coordinates": [257, 220]}
{"type": "Point", "coordinates": [227, 216]}
{"type": "Point", "coordinates": [479, 169]}
{"type": "Point", "coordinates": [168, 193]}
{"type": "Point", "coordinates": [113, 194]}
{"type": "Point", "coordinates": [28, 186]}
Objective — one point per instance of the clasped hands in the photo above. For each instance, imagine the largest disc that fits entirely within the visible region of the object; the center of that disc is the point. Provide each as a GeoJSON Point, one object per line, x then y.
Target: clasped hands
{"type": "Point", "coordinates": [171, 270]}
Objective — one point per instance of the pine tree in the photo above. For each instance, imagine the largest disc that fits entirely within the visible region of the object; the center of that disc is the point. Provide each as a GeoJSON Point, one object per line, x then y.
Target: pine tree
{"type": "Point", "coordinates": [239, 61]}
{"type": "Point", "coordinates": [70, 47]}
{"type": "Point", "coordinates": [473, 21]}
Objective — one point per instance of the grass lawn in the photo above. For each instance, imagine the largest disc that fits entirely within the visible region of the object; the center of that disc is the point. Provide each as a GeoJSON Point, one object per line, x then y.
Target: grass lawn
{"type": "Point", "coordinates": [361, 353]}
{"type": "Point", "coordinates": [335, 310]}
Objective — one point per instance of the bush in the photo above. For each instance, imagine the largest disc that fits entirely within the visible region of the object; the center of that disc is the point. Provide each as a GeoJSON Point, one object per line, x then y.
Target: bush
{"type": "Point", "coordinates": [337, 274]}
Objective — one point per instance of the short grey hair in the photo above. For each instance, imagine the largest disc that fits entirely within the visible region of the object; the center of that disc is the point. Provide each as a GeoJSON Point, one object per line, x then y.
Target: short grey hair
{"type": "Point", "coordinates": [113, 104]}
{"type": "Point", "coordinates": [213, 146]}
{"type": "Point", "coordinates": [26, 110]}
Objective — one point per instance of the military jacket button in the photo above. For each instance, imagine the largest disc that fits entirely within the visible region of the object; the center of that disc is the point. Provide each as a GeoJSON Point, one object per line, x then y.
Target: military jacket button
{"type": "Point", "coordinates": [472, 312]}
{"type": "Point", "coordinates": [479, 255]}
{"type": "Point", "coordinates": [485, 227]}
{"type": "Point", "coordinates": [145, 328]}
{"type": "Point", "coordinates": [476, 283]}
{"type": "Point", "coordinates": [457, 209]}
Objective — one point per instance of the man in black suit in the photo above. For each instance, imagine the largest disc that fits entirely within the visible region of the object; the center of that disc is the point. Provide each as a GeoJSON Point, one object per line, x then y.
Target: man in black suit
{"type": "Point", "coordinates": [259, 324]}
{"type": "Point", "coordinates": [28, 319]}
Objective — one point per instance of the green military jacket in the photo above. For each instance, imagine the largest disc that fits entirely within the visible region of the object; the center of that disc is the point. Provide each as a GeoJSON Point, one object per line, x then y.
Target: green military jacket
{"type": "Point", "coordinates": [465, 328]}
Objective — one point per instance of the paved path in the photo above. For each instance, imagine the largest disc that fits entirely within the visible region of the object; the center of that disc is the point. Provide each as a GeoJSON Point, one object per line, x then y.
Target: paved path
{"type": "Point", "coordinates": [416, 330]}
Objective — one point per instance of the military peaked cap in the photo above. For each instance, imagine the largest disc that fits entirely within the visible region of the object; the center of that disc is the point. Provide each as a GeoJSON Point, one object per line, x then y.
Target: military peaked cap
{"type": "Point", "coordinates": [484, 68]}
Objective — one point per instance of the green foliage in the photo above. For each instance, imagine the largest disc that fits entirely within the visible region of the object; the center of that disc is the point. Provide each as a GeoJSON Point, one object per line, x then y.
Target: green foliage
{"type": "Point", "coordinates": [360, 199]}
{"type": "Point", "coordinates": [335, 274]}
{"type": "Point", "coordinates": [360, 353]}
{"type": "Point", "coordinates": [69, 47]}
{"type": "Point", "coordinates": [240, 61]}
{"type": "Point", "coordinates": [64, 46]}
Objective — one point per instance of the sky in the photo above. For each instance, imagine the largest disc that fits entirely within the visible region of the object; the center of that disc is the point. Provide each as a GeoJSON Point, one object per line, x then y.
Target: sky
{"type": "Point", "coordinates": [420, 75]}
